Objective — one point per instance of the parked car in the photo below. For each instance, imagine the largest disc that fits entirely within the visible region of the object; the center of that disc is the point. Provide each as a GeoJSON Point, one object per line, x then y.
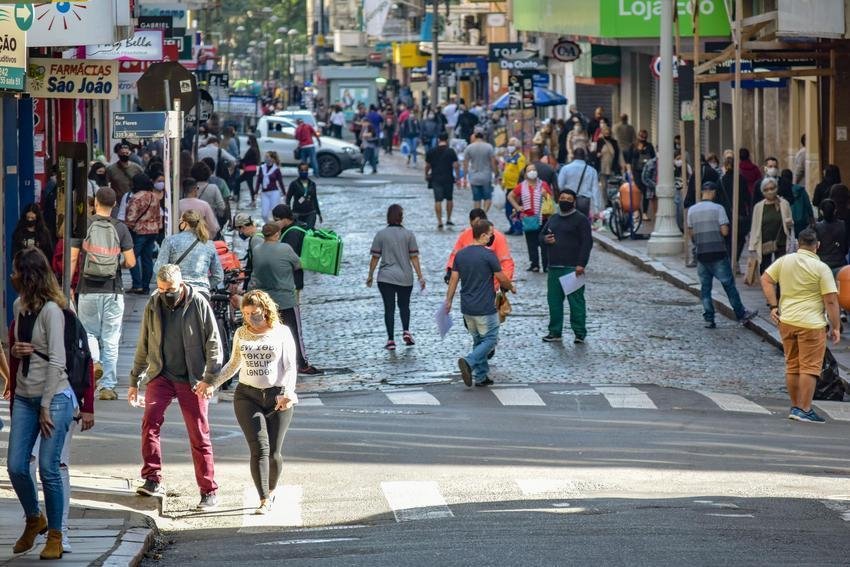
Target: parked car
{"type": "Point", "coordinates": [277, 133]}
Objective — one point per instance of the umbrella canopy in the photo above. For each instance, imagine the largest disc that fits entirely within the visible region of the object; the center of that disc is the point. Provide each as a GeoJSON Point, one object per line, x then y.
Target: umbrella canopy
{"type": "Point", "coordinates": [542, 97]}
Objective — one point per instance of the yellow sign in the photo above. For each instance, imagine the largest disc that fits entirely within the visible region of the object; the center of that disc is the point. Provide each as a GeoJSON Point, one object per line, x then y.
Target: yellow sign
{"type": "Point", "coordinates": [72, 78]}
{"type": "Point", "coordinates": [407, 55]}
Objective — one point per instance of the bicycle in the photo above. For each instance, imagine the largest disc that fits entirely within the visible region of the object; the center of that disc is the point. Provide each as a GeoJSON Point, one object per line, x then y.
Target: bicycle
{"type": "Point", "coordinates": [625, 218]}
{"type": "Point", "coordinates": [227, 317]}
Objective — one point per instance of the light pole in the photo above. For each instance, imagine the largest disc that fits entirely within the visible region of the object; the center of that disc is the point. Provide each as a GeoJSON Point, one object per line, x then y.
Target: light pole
{"type": "Point", "coordinates": [666, 240]}
{"type": "Point", "coordinates": [435, 56]}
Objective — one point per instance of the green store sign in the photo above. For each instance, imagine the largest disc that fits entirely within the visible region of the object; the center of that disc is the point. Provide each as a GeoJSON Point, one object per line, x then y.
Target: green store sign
{"type": "Point", "coordinates": [616, 19]}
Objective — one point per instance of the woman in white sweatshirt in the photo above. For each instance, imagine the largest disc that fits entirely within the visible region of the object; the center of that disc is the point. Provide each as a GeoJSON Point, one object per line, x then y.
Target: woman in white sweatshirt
{"type": "Point", "coordinates": [264, 354]}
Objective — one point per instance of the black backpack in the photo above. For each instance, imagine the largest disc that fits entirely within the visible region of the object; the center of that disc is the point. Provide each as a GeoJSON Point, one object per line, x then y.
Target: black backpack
{"type": "Point", "coordinates": [830, 385]}
{"type": "Point", "coordinates": [78, 360]}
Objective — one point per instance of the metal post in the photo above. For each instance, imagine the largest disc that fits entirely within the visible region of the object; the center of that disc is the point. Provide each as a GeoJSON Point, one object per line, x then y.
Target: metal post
{"type": "Point", "coordinates": [176, 187]}
{"type": "Point", "coordinates": [697, 108]}
{"type": "Point", "coordinates": [736, 134]}
{"type": "Point", "coordinates": [666, 238]}
{"type": "Point", "coordinates": [67, 226]}
{"type": "Point", "coordinates": [197, 120]}
{"type": "Point", "coordinates": [435, 55]}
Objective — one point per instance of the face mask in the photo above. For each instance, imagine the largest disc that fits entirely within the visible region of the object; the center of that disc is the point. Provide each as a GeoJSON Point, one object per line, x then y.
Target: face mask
{"type": "Point", "coordinates": [101, 180]}
{"type": "Point", "coordinates": [257, 319]}
{"type": "Point", "coordinates": [511, 149]}
{"type": "Point", "coordinates": [491, 240]}
{"type": "Point", "coordinates": [303, 174]}
{"type": "Point", "coordinates": [712, 164]}
{"type": "Point", "coordinates": [566, 206]}
{"type": "Point", "coordinates": [772, 172]}
{"type": "Point", "coordinates": [678, 163]}
{"type": "Point", "coordinates": [243, 236]}
{"type": "Point", "coordinates": [769, 193]}
{"type": "Point", "coordinates": [531, 175]}
{"type": "Point", "coordinates": [269, 162]}
{"type": "Point", "coordinates": [171, 298]}
{"type": "Point", "coordinates": [159, 185]}
{"type": "Point", "coordinates": [124, 158]}
{"type": "Point", "coordinates": [29, 223]}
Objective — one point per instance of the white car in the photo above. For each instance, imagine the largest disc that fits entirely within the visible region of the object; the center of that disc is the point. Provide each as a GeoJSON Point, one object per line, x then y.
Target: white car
{"type": "Point", "coordinates": [277, 133]}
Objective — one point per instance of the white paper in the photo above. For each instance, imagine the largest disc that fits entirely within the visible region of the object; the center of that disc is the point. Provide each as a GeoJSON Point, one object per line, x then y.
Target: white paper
{"type": "Point", "coordinates": [444, 321]}
{"type": "Point", "coordinates": [571, 283]}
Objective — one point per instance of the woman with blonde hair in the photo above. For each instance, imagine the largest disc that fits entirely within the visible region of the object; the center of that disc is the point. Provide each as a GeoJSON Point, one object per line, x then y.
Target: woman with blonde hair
{"type": "Point", "coordinates": [270, 182]}
{"type": "Point", "coordinates": [192, 250]}
{"type": "Point", "coordinates": [264, 355]}
{"type": "Point", "coordinates": [44, 400]}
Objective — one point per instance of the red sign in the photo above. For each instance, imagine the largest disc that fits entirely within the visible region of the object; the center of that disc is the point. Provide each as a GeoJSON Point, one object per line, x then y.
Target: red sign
{"type": "Point", "coordinates": [170, 50]}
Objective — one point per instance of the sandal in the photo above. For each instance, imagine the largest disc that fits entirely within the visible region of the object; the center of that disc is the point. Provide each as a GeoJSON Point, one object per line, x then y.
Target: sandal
{"type": "Point", "coordinates": [390, 345]}
{"type": "Point", "coordinates": [408, 338]}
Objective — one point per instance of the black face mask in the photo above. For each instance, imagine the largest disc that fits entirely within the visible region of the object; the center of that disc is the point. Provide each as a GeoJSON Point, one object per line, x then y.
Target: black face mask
{"type": "Point", "coordinates": [566, 206]}
{"type": "Point", "coordinates": [29, 223]}
{"type": "Point", "coordinates": [123, 158]}
{"type": "Point", "coordinates": [101, 180]}
{"type": "Point", "coordinates": [171, 298]}
{"type": "Point", "coordinates": [243, 236]}
{"type": "Point", "coordinates": [491, 240]}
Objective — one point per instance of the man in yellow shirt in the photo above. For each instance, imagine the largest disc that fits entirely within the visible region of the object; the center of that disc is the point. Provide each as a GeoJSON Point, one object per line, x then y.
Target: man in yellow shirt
{"type": "Point", "coordinates": [808, 289]}
{"type": "Point", "coordinates": [515, 163]}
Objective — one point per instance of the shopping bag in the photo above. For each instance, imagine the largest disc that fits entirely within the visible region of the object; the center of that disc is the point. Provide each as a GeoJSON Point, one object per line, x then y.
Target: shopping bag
{"type": "Point", "coordinates": [752, 276]}
{"type": "Point", "coordinates": [503, 306]}
{"type": "Point", "coordinates": [499, 198]}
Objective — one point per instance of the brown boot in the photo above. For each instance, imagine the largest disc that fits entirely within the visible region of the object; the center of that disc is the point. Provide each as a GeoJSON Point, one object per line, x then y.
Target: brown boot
{"type": "Point", "coordinates": [53, 547]}
{"type": "Point", "coordinates": [35, 525]}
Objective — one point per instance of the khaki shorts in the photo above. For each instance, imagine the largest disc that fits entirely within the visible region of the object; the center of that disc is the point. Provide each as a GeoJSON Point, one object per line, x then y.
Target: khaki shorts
{"type": "Point", "coordinates": [804, 349]}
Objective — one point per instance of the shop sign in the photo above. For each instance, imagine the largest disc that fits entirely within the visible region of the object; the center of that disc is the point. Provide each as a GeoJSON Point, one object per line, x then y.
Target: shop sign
{"type": "Point", "coordinates": [13, 50]}
{"type": "Point", "coordinates": [522, 65]}
{"type": "Point", "coordinates": [127, 83]}
{"type": "Point", "coordinates": [642, 18]}
{"type": "Point", "coordinates": [566, 51]}
{"type": "Point", "coordinates": [164, 23]}
{"type": "Point", "coordinates": [498, 51]}
{"type": "Point", "coordinates": [72, 78]}
{"type": "Point", "coordinates": [178, 13]}
{"type": "Point", "coordinates": [145, 45]}
{"type": "Point", "coordinates": [82, 22]}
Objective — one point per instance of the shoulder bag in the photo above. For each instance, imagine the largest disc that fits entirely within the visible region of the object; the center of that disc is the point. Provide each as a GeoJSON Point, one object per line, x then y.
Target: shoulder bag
{"type": "Point", "coordinates": [186, 252]}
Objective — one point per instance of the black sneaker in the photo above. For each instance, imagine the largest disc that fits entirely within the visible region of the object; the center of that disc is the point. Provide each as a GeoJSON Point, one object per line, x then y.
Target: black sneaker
{"type": "Point", "coordinates": [485, 382]}
{"type": "Point", "coordinates": [578, 340]}
{"type": "Point", "coordinates": [552, 339]}
{"type": "Point", "coordinates": [151, 488]}
{"type": "Point", "coordinates": [310, 371]}
{"type": "Point", "coordinates": [710, 325]}
{"type": "Point", "coordinates": [748, 316]}
{"type": "Point", "coordinates": [465, 371]}
{"type": "Point", "coordinates": [208, 501]}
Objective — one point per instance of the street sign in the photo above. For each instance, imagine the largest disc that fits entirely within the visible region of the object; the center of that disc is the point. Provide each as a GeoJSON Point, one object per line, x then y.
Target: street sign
{"type": "Point", "coordinates": [566, 51]}
{"type": "Point", "coordinates": [181, 84]}
{"type": "Point", "coordinates": [138, 124]}
{"type": "Point", "coordinates": [655, 67]}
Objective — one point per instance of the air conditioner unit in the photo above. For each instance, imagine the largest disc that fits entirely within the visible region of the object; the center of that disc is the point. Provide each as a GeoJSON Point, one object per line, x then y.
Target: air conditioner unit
{"type": "Point", "coordinates": [346, 39]}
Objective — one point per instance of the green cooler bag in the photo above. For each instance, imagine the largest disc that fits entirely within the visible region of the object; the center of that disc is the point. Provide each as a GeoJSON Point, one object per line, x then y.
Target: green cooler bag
{"type": "Point", "coordinates": [322, 252]}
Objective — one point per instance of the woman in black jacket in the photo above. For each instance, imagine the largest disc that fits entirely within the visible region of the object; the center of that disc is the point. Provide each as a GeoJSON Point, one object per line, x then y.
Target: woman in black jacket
{"type": "Point", "coordinates": [302, 198]}
{"type": "Point", "coordinates": [32, 232]}
{"type": "Point", "coordinates": [832, 235]}
{"type": "Point", "coordinates": [831, 176]}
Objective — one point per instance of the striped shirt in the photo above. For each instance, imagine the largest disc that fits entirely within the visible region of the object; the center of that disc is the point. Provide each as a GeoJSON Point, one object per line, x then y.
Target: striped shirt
{"type": "Point", "coordinates": [704, 220]}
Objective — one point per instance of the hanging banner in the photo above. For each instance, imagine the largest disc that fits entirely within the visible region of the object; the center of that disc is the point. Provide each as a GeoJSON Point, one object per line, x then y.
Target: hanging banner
{"type": "Point", "coordinates": [13, 51]}
{"type": "Point", "coordinates": [375, 16]}
{"type": "Point", "coordinates": [82, 22]}
{"type": "Point", "coordinates": [145, 45]}
{"type": "Point", "coordinates": [72, 78]}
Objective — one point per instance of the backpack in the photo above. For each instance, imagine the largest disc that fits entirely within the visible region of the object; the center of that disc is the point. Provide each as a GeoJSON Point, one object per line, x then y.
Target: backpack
{"type": "Point", "coordinates": [830, 385]}
{"type": "Point", "coordinates": [102, 247]}
{"type": "Point", "coordinates": [78, 359]}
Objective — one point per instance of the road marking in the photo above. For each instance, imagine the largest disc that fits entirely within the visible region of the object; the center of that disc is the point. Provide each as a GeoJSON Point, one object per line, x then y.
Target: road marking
{"type": "Point", "coordinates": [228, 435]}
{"type": "Point", "coordinates": [731, 515]}
{"type": "Point", "coordinates": [286, 510]}
{"type": "Point", "coordinates": [626, 397]}
{"type": "Point", "coordinates": [412, 398]}
{"type": "Point", "coordinates": [839, 504]}
{"type": "Point", "coordinates": [309, 401]}
{"type": "Point", "coordinates": [415, 500]}
{"type": "Point", "coordinates": [518, 397]}
{"type": "Point", "coordinates": [537, 486]}
{"type": "Point", "coordinates": [836, 410]}
{"type": "Point", "coordinates": [733, 402]}
{"type": "Point", "coordinates": [304, 541]}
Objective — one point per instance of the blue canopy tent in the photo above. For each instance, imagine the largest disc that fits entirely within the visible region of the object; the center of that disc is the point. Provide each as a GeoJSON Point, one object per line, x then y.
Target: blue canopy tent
{"type": "Point", "coordinates": [542, 97]}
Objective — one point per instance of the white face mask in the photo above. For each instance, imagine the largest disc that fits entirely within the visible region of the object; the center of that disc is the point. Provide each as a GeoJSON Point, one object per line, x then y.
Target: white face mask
{"type": "Point", "coordinates": [678, 163]}
{"type": "Point", "coordinates": [772, 172]}
{"type": "Point", "coordinates": [511, 149]}
{"type": "Point", "coordinates": [531, 175]}
{"type": "Point", "coordinates": [159, 185]}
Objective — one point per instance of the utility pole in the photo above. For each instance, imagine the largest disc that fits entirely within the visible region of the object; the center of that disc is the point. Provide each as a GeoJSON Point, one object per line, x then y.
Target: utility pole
{"type": "Point", "coordinates": [435, 55]}
{"type": "Point", "coordinates": [666, 240]}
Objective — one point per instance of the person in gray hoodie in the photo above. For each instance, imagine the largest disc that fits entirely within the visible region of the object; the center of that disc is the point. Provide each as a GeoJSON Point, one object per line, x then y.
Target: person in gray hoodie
{"type": "Point", "coordinates": [178, 346]}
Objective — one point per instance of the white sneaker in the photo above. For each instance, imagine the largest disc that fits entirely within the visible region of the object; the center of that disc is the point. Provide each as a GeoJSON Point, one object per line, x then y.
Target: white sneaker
{"type": "Point", "coordinates": [66, 542]}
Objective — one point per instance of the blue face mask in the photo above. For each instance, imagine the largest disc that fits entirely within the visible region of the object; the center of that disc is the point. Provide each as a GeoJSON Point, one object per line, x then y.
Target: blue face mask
{"type": "Point", "coordinates": [304, 174]}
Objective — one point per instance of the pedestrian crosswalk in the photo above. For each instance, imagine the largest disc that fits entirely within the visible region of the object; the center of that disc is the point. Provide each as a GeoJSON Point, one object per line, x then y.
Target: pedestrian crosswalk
{"type": "Point", "coordinates": [512, 396]}
{"type": "Point", "coordinates": [286, 511]}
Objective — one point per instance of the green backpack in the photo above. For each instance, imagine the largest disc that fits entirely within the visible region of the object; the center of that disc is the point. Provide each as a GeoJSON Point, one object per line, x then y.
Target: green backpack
{"type": "Point", "coordinates": [321, 251]}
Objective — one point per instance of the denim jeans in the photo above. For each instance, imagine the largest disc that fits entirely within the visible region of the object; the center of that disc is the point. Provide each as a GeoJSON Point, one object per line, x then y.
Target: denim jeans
{"type": "Point", "coordinates": [22, 436]}
{"type": "Point", "coordinates": [308, 155]}
{"type": "Point", "coordinates": [142, 272]}
{"type": "Point", "coordinates": [412, 143]}
{"type": "Point", "coordinates": [722, 270]}
{"type": "Point", "coordinates": [485, 334]}
{"type": "Point", "coordinates": [102, 314]}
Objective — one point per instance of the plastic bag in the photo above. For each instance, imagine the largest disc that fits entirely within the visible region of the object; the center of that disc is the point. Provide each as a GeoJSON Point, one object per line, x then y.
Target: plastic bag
{"type": "Point", "coordinates": [499, 198]}
{"type": "Point", "coordinates": [405, 148]}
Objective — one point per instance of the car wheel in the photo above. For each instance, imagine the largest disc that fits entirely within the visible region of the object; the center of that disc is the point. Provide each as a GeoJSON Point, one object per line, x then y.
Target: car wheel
{"type": "Point", "coordinates": [329, 165]}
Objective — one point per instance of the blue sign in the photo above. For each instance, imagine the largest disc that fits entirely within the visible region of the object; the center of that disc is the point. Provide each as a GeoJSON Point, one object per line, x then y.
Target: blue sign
{"type": "Point", "coordinates": [138, 124]}
{"type": "Point", "coordinates": [541, 80]}
{"type": "Point", "coordinates": [747, 67]}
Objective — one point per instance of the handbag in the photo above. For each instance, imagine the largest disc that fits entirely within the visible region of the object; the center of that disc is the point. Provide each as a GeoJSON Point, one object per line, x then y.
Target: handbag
{"type": "Point", "coordinates": [530, 223]}
{"type": "Point", "coordinates": [503, 306]}
{"type": "Point", "coordinates": [547, 207]}
{"type": "Point", "coordinates": [752, 276]}
{"type": "Point", "coordinates": [768, 248]}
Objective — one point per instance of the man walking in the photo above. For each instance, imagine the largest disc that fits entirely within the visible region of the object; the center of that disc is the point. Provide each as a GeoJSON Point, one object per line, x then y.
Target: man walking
{"type": "Point", "coordinates": [499, 247]}
{"type": "Point", "coordinates": [583, 181]}
{"type": "Point", "coordinates": [475, 267]}
{"type": "Point", "coordinates": [708, 225]}
{"type": "Point", "coordinates": [178, 346]}
{"type": "Point", "coordinates": [480, 165]}
{"type": "Point", "coordinates": [305, 134]}
{"type": "Point", "coordinates": [100, 305]}
{"type": "Point", "coordinates": [808, 289]}
{"type": "Point", "coordinates": [442, 170]}
{"type": "Point", "coordinates": [567, 238]}
{"type": "Point", "coordinates": [121, 173]}
{"type": "Point", "coordinates": [625, 134]}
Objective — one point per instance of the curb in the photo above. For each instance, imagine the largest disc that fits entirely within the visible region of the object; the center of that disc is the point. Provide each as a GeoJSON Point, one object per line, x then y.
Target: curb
{"type": "Point", "coordinates": [131, 548]}
{"type": "Point", "coordinates": [683, 281]}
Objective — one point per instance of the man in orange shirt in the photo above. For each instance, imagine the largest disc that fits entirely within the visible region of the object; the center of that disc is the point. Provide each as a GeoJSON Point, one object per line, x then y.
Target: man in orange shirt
{"type": "Point", "coordinates": [500, 247]}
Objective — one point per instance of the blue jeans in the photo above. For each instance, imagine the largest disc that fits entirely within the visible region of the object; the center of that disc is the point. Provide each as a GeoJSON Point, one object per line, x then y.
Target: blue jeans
{"type": "Point", "coordinates": [142, 272]}
{"type": "Point", "coordinates": [102, 314]}
{"type": "Point", "coordinates": [485, 334]}
{"type": "Point", "coordinates": [308, 155]}
{"type": "Point", "coordinates": [412, 143]}
{"type": "Point", "coordinates": [722, 270]}
{"type": "Point", "coordinates": [370, 156]}
{"type": "Point", "coordinates": [22, 437]}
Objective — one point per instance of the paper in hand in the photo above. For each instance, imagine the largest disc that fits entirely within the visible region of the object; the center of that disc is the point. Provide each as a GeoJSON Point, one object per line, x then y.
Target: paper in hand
{"type": "Point", "coordinates": [571, 283]}
{"type": "Point", "coordinates": [444, 321]}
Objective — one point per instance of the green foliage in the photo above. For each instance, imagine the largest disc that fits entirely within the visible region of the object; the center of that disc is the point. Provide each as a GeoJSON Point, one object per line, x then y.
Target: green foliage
{"type": "Point", "coordinates": [259, 25]}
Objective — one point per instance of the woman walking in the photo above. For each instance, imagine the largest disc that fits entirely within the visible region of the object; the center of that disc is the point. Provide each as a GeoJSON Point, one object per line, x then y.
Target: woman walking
{"type": "Point", "coordinates": [249, 169]}
{"type": "Point", "coordinates": [192, 250]}
{"type": "Point", "coordinates": [270, 180]}
{"type": "Point", "coordinates": [264, 355]}
{"type": "Point", "coordinates": [44, 400]}
{"type": "Point", "coordinates": [144, 218]}
{"type": "Point", "coordinates": [772, 222]}
{"type": "Point", "coordinates": [396, 248]}
{"type": "Point", "coordinates": [337, 122]}
{"type": "Point", "coordinates": [528, 198]}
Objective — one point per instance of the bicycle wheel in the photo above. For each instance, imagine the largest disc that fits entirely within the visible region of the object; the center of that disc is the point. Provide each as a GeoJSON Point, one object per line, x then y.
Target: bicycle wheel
{"type": "Point", "coordinates": [615, 221]}
{"type": "Point", "coordinates": [226, 334]}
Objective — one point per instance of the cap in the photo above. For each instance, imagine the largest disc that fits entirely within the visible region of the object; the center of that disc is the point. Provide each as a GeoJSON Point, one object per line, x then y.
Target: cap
{"type": "Point", "coordinates": [242, 219]}
{"type": "Point", "coordinates": [270, 228]}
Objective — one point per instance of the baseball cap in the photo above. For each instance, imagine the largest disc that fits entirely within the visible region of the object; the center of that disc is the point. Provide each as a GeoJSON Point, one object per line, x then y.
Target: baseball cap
{"type": "Point", "coordinates": [242, 219]}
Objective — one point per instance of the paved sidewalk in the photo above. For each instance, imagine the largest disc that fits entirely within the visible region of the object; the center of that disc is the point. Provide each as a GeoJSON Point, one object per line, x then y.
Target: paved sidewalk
{"type": "Point", "coordinates": [673, 270]}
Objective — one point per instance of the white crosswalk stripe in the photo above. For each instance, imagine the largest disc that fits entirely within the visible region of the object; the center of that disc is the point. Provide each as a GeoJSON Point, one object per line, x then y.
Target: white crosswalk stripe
{"type": "Point", "coordinates": [538, 486]}
{"type": "Point", "coordinates": [415, 500]}
{"type": "Point", "coordinates": [838, 411]}
{"type": "Point", "coordinates": [412, 398]}
{"type": "Point", "coordinates": [518, 397]}
{"type": "Point", "coordinates": [733, 402]}
{"type": "Point", "coordinates": [626, 397]}
{"type": "Point", "coordinates": [309, 401]}
{"type": "Point", "coordinates": [286, 511]}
